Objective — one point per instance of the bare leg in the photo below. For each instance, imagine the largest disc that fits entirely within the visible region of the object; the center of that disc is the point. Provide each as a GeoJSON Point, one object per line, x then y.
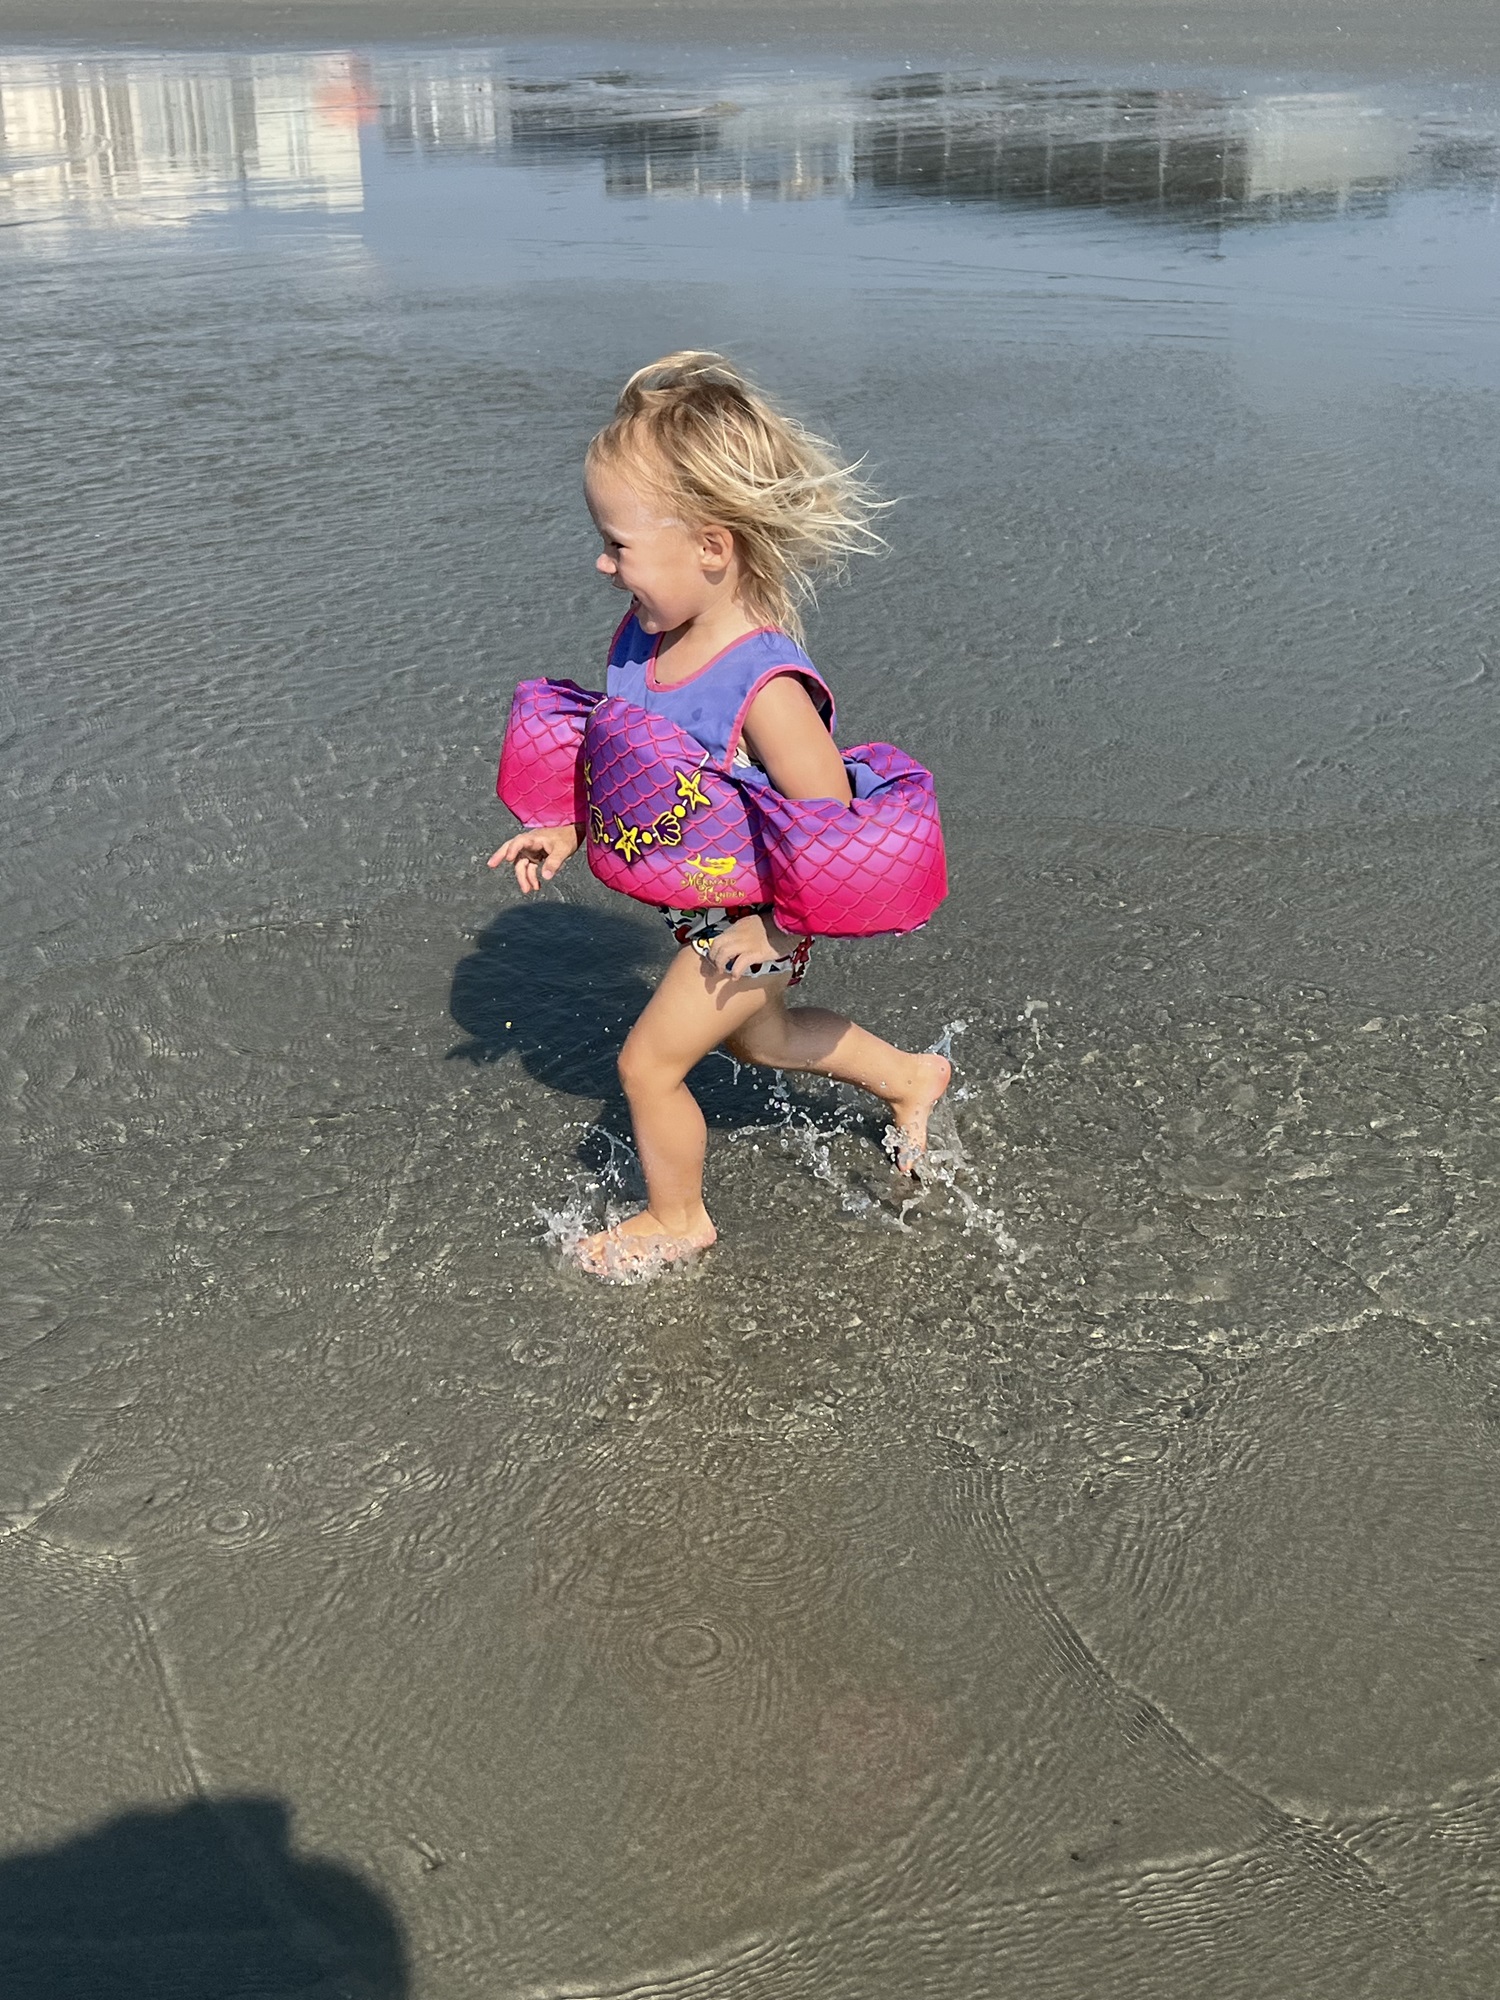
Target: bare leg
{"type": "Point", "coordinates": [694, 1010]}
{"type": "Point", "coordinates": [811, 1038]}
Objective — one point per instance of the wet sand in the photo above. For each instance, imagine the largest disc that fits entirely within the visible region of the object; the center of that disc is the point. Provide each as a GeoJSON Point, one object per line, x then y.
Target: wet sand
{"type": "Point", "coordinates": [1401, 37]}
{"type": "Point", "coordinates": [1080, 1583]}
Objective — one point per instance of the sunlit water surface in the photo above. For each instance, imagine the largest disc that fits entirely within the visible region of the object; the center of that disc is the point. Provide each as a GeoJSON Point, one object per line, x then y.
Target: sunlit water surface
{"type": "Point", "coordinates": [1074, 1577]}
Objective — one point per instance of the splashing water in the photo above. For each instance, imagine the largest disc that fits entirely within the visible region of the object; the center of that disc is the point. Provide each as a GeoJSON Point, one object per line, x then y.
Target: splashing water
{"type": "Point", "coordinates": [810, 1144]}
{"type": "Point", "coordinates": [943, 1181]}
{"type": "Point", "coordinates": [944, 1166]}
{"type": "Point", "coordinates": [599, 1200]}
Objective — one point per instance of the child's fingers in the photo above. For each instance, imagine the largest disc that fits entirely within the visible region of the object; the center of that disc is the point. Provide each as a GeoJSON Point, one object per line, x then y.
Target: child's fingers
{"type": "Point", "coordinates": [527, 853]}
{"type": "Point", "coordinates": [733, 955]}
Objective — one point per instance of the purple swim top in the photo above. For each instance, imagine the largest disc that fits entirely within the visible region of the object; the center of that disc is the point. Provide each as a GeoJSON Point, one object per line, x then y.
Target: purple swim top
{"type": "Point", "coordinates": [710, 704]}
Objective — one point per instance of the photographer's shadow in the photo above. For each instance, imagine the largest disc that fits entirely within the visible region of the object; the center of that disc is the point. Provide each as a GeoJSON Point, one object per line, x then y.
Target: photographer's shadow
{"type": "Point", "coordinates": [205, 1900]}
{"type": "Point", "coordinates": [560, 985]}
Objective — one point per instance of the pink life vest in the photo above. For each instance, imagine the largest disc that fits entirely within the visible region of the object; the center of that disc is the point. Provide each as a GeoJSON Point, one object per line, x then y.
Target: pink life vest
{"type": "Point", "coordinates": [672, 825]}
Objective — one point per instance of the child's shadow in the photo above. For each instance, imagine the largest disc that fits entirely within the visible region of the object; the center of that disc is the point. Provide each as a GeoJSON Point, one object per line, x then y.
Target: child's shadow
{"type": "Point", "coordinates": [560, 985]}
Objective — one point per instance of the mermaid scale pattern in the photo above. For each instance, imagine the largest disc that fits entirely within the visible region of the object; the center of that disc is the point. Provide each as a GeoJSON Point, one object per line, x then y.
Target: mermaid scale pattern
{"type": "Point", "coordinates": [541, 772]}
{"type": "Point", "coordinates": [668, 825]}
{"type": "Point", "coordinates": [864, 870]}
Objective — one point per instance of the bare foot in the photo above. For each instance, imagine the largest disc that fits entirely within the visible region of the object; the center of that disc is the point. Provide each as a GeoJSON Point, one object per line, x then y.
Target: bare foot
{"type": "Point", "coordinates": [906, 1140]}
{"type": "Point", "coordinates": [639, 1247]}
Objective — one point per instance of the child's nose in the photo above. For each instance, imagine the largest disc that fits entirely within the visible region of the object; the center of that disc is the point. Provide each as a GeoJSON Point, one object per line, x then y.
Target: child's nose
{"type": "Point", "coordinates": [605, 565]}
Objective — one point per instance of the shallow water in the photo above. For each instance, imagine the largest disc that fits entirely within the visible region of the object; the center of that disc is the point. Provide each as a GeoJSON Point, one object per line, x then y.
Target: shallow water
{"type": "Point", "coordinates": [1079, 1575]}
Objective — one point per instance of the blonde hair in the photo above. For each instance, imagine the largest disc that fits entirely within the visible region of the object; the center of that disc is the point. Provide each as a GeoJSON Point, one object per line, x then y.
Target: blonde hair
{"type": "Point", "coordinates": [708, 442]}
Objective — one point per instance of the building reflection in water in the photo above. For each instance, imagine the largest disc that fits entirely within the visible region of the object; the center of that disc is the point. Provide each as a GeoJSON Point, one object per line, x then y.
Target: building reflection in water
{"type": "Point", "coordinates": [1132, 149]}
{"type": "Point", "coordinates": [165, 138]}
{"type": "Point", "coordinates": [793, 144]}
{"type": "Point", "coordinates": [461, 110]}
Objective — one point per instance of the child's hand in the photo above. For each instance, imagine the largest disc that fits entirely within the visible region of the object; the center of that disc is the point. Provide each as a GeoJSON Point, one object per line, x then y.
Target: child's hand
{"type": "Point", "coordinates": [747, 945]}
{"type": "Point", "coordinates": [536, 855]}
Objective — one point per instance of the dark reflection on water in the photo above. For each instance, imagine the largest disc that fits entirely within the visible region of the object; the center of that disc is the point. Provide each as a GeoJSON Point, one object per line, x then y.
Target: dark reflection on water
{"type": "Point", "coordinates": [955, 137]}
{"type": "Point", "coordinates": [965, 138]}
{"type": "Point", "coordinates": [962, 140]}
{"type": "Point", "coordinates": [290, 130]}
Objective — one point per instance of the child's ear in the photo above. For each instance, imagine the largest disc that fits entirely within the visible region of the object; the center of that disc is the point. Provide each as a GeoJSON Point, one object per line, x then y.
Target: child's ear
{"type": "Point", "coordinates": [715, 546]}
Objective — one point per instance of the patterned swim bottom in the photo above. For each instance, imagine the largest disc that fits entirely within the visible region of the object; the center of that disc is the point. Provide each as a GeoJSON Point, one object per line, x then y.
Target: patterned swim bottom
{"type": "Point", "coordinates": [699, 928]}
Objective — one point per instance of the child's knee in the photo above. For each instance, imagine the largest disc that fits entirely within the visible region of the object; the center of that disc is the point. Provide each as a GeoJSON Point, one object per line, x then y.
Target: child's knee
{"type": "Point", "coordinates": [628, 1065]}
{"type": "Point", "coordinates": [641, 1067]}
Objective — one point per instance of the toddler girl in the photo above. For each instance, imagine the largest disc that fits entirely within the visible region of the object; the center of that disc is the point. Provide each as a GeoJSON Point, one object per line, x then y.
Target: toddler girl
{"type": "Point", "coordinates": [715, 510]}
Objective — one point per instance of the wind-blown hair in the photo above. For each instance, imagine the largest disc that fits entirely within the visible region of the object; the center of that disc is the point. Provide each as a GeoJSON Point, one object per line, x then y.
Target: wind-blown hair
{"type": "Point", "coordinates": [702, 438]}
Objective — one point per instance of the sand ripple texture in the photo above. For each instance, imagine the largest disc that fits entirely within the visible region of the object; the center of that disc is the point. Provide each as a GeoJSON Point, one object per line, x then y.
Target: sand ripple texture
{"type": "Point", "coordinates": [1112, 1608]}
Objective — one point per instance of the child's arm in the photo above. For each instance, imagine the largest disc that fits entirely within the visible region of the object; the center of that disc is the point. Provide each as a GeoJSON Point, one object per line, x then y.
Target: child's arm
{"type": "Point", "coordinates": [787, 737]}
{"type": "Point", "coordinates": [536, 854]}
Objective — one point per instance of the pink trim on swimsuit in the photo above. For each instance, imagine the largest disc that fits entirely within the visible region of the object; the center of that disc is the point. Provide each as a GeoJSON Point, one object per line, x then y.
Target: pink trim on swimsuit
{"type": "Point", "coordinates": [671, 687]}
{"type": "Point", "coordinates": [809, 680]}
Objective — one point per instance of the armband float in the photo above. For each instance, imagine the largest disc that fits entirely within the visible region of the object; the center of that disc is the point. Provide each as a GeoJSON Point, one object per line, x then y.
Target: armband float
{"type": "Point", "coordinates": [666, 823]}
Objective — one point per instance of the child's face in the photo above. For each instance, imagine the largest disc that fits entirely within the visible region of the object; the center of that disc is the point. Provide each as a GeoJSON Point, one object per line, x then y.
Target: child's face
{"type": "Point", "coordinates": [672, 573]}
